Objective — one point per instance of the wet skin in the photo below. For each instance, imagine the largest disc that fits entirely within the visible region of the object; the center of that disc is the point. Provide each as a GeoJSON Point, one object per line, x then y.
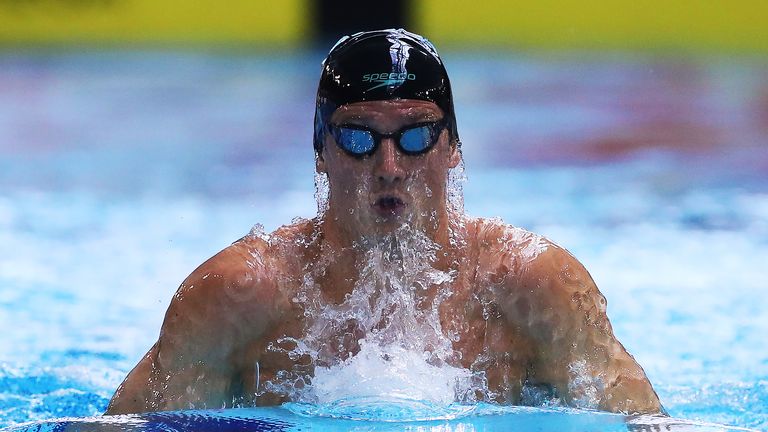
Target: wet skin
{"type": "Point", "coordinates": [523, 309]}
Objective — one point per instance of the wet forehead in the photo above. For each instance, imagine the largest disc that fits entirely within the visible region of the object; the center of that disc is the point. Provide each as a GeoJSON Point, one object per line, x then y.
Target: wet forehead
{"type": "Point", "coordinates": [397, 111]}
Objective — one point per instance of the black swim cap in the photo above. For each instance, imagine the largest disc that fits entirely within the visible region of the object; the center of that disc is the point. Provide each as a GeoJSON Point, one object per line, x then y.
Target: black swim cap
{"type": "Point", "coordinates": [381, 65]}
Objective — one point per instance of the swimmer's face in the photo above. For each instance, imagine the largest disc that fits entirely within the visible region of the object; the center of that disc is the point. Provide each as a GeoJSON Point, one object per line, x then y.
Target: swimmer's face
{"type": "Point", "coordinates": [376, 193]}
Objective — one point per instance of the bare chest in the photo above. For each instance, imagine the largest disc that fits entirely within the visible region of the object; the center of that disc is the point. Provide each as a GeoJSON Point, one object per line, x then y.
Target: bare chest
{"type": "Point", "coordinates": [471, 324]}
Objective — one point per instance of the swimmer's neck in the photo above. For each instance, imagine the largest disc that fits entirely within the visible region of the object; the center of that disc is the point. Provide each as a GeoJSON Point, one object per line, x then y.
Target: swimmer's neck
{"type": "Point", "coordinates": [340, 235]}
{"type": "Point", "coordinates": [347, 251]}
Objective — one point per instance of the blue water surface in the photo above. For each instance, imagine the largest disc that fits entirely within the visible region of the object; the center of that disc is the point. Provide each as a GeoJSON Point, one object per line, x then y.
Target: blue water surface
{"type": "Point", "coordinates": [121, 171]}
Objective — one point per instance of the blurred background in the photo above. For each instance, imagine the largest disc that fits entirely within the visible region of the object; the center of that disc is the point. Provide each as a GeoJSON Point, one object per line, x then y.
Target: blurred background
{"type": "Point", "coordinates": [718, 25]}
{"type": "Point", "coordinates": [139, 137]}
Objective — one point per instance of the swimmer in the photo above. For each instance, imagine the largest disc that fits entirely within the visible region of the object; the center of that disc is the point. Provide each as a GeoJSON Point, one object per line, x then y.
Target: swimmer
{"type": "Point", "coordinates": [520, 310]}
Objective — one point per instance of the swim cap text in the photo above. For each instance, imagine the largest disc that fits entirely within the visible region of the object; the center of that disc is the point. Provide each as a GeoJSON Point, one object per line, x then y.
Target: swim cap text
{"type": "Point", "coordinates": [375, 77]}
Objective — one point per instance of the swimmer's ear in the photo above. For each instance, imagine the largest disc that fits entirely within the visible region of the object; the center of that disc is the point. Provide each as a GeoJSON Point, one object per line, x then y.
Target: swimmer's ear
{"type": "Point", "coordinates": [455, 157]}
{"type": "Point", "coordinates": [320, 167]}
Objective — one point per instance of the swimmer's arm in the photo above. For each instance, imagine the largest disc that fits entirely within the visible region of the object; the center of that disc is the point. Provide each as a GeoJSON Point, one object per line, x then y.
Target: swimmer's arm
{"type": "Point", "coordinates": [578, 353]}
{"type": "Point", "coordinates": [133, 395]}
{"type": "Point", "coordinates": [193, 364]}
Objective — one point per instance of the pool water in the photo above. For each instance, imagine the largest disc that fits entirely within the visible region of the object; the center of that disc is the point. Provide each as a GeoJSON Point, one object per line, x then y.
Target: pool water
{"type": "Point", "coordinates": [121, 171]}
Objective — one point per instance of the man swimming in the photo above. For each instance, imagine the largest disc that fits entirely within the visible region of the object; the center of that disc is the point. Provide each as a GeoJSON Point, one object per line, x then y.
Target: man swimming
{"type": "Point", "coordinates": [390, 266]}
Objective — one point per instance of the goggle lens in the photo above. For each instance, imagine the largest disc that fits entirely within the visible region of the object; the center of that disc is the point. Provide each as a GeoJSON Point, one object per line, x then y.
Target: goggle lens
{"type": "Point", "coordinates": [412, 140]}
{"type": "Point", "coordinates": [356, 141]}
{"type": "Point", "coordinates": [418, 139]}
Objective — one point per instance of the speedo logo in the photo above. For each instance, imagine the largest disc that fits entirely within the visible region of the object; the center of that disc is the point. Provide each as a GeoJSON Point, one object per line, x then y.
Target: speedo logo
{"type": "Point", "coordinates": [384, 79]}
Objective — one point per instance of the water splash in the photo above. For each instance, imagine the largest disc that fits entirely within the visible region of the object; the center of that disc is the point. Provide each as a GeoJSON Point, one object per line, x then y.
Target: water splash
{"type": "Point", "coordinates": [385, 335]}
{"type": "Point", "coordinates": [385, 409]}
{"type": "Point", "coordinates": [257, 231]}
{"type": "Point", "coordinates": [321, 192]}
{"type": "Point", "coordinates": [391, 372]}
{"type": "Point", "coordinates": [455, 191]}
{"type": "Point", "coordinates": [584, 386]}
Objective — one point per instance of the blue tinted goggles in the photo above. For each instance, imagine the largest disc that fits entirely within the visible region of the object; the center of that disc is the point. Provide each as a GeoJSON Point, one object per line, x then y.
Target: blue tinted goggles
{"type": "Point", "coordinates": [413, 139]}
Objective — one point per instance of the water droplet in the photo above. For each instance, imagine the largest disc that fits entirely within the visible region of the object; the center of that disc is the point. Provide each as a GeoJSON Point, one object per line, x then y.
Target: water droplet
{"type": "Point", "coordinates": [258, 232]}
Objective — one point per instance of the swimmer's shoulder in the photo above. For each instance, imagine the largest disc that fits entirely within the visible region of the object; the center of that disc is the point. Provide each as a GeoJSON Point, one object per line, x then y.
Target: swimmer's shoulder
{"type": "Point", "coordinates": [533, 276]}
{"type": "Point", "coordinates": [230, 299]}
{"type": "Point", "coordinates": [242, 265]}
{"type": "Point", "coordinates": [247, 271]}
{"type": "Point", "coordinates": [257, 260]}
{"type": "Point", "coordinates": [239, 282]}
{"type": "Point", "coordinates": [502, 244]}
{"type": "Point", "coordinates": [526, 258]}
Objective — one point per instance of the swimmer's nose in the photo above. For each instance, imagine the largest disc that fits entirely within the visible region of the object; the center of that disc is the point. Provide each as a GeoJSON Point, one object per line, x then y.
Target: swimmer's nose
{"type": "Point", "coordinates": [387, 167]}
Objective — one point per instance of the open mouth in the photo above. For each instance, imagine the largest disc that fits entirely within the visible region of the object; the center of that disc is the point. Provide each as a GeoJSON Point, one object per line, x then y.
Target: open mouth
{"type": "Point", "coordinates": [389, 205]}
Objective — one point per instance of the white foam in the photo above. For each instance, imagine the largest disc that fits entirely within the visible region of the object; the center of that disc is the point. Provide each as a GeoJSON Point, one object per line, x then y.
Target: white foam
{"type": "Point", "coordinates": [388, 372]}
